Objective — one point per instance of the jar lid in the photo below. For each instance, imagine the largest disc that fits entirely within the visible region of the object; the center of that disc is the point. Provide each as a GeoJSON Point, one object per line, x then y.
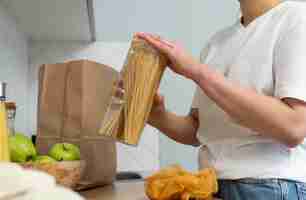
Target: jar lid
{"type": "Point", "coordinates": [2, 90]}
{"type": "Point", "coordinates": [10, 105]}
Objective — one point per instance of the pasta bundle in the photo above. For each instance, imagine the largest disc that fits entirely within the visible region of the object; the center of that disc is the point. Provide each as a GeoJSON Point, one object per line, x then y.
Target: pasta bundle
{"type": "Point", "coordinates": [130, 108]}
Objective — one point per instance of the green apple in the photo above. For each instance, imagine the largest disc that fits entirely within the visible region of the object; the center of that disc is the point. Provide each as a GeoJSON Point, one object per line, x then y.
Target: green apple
{"type": "Point", "coordinates": [44, 160]}
{"type": "Point", "coordinates": [21, 148]}
{"type": "Point", "coordinates": [65, 152]}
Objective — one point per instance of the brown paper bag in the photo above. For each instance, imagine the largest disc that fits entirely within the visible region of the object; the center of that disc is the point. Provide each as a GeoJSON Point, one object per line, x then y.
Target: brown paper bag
{"type": "Point", "coordinates": [73, 98]}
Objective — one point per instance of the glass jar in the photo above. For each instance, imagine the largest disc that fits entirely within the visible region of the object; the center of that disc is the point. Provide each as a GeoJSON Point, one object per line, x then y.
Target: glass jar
{"type": "Point", "coordinates": [2, 91]}
{"type": "Point", "coordinates": [11, 115]}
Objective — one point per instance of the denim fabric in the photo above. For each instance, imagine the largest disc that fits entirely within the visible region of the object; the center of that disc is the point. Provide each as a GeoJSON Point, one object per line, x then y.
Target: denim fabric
{"type": "Point", "coordinates": [261, 189]}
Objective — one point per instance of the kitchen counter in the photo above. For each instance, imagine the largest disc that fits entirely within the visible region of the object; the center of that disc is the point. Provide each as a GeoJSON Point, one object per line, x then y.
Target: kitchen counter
{"type": "Point", "coordinates": [126, 190]}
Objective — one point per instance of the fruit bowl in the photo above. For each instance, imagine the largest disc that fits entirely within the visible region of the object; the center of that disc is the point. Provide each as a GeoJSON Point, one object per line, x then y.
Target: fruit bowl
{"type": "Point", "coordinates": [66, 173]}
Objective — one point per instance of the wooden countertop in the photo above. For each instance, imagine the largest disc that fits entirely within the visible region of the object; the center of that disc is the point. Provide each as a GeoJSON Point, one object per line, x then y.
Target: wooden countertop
{"type": "Point", "coordinates": [127, 190]}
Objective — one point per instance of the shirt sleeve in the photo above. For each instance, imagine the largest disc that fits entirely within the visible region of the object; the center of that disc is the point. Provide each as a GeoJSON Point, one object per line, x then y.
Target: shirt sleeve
{"type": "Point", "coordinates": [290, 63]}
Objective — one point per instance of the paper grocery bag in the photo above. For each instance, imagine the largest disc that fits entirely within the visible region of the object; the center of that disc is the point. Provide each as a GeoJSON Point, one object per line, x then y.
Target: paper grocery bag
{"type": "Point", "coordinates": [73, 98]}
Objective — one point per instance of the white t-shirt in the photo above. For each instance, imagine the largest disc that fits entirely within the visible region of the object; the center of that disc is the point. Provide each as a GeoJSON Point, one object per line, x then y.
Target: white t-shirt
{"type": "Point", "coordinates": [269, 55]}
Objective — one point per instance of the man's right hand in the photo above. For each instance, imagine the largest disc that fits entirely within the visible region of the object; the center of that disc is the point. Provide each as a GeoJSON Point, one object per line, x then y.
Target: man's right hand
{"type": "Point", "coordinates": [182, 129]}
{"type": "Point", "coordinates": [158, 109]}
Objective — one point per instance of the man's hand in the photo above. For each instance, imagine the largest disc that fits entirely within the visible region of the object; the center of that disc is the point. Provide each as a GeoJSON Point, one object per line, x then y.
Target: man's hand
{"type": "Point", "coordinates": [181, 129]}
{"type": "Point", "coordinates": [179, 60]}
{"type": "Point", "coordinates": [158, 109]}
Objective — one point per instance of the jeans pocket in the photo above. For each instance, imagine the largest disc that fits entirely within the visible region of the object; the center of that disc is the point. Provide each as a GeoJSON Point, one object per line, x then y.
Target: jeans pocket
{"type": "Point", "coordinates": [301, 190]}
{"type": "Point", "coordinates": [250, 189]}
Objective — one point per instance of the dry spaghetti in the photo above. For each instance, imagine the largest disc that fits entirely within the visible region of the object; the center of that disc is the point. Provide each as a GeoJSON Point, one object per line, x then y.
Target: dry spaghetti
{"type": "Point", "coordinates": [141, 76]}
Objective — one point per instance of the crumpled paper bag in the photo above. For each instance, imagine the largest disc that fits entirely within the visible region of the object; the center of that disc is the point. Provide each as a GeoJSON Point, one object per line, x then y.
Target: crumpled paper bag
{"type": "Point", "coordinates": [175, 183]}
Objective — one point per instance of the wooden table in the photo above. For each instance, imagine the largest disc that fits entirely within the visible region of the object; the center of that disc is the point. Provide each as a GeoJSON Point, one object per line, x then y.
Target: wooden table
{"type": "Point", "coordinates": [128, 190]}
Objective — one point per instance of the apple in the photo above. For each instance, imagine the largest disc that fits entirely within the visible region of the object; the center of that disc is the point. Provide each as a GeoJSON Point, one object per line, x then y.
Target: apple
{"type": "Point", "coordinates": [21, 148]}
{"type": "Point", "coordinates": [65, 152]}
{"type": "Point", "coordinates": [44, 159]}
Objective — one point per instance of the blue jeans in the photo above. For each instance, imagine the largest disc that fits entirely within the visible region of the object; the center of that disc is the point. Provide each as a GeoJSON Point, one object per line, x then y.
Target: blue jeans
{"type": "Point", "coordinates": [261, 189]}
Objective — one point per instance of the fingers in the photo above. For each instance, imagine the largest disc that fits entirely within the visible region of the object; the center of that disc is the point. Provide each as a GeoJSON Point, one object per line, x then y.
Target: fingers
{"type": "Point", "coordinates": [160, 39]}
{"type": "Point", "coordinates": [159, 43]}
{"type": "Point", "coordinates": [120, 84]}
{"type": "Point", "coordinates": [159, 99]}
{"type": "Point", "coordinates": [119, 92]}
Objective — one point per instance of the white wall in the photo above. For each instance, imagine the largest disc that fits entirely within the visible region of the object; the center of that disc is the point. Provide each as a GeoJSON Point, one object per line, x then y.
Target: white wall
{"type": "Point", "coordinates": [14, 65]}
{"type": "Point", "coordinates": [142, 158]}
{"type": "Point", "coordinates": [118, 20]}
{"type": "Point", "coordinates": [210, 16]}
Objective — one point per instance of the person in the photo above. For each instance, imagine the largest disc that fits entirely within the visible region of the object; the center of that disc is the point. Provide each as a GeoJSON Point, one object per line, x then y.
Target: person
{"type": "Point", "coordinates": [249, 109]}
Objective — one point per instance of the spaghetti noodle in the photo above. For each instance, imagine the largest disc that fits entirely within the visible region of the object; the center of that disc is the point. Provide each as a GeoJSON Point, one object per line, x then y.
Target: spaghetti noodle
{"type": "Point", "coordinates": [141, 76]}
